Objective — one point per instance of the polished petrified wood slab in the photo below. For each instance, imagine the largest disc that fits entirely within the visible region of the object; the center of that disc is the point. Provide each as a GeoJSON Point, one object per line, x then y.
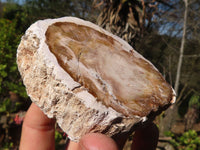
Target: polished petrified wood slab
{"type": "Point", "coordinates": [89, 79]}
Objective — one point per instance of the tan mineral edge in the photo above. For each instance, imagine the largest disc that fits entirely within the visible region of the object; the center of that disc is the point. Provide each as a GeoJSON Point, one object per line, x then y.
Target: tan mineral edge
{"type": "Point", "coordinates": [89, 79]}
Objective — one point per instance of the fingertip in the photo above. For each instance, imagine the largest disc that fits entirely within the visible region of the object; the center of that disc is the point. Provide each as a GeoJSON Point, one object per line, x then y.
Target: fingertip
{"type": "Point", "coordinates": [97, 141]}
{"type": "Point", "coordinates": [35, 118]}
{"type": "Point", "coordinates": [37, 130]}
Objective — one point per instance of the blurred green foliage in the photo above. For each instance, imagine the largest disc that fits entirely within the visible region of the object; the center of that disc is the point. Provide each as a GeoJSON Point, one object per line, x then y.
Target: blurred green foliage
{"type": "Point", "coordinates": [194, 101]}
{"type": "Point", "coordinates": [7, 106]}
{"type": "Point", "coordinates": [9, 76]}
{"type": "Point", "coordinates": [8, 146]}
{"type": "Point", "coordinates": [58, 137]}
{"type": "Point", "coordinates": [187, 141]}
{"type": "Point", "coordinates": [16, 12]}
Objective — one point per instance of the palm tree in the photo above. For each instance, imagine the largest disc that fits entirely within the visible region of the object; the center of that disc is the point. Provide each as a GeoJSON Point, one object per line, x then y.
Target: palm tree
{"type": "Point", "coordinates": [127, 18]}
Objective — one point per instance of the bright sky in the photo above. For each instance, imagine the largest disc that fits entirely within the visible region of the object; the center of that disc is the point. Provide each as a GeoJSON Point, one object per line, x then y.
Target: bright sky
{"type": "Point", "coordinates": [18, 1]}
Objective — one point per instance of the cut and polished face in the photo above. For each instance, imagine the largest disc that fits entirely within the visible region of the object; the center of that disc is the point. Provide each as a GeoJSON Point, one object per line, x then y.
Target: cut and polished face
{"type": "Point", "coordinates": [121, 79]}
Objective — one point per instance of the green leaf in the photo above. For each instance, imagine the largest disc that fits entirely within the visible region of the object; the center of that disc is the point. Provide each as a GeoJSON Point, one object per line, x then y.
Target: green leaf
{"type": "Point", "coordinates": [194, 101]}
{"type": "Point", "coordinates": [58, 137]}
{"type": "Point", "coordinates": [5, 105]}
{"type": "Point", "coordinates": [2, 108]}
{"type": "Point", "coordinates": [3, 74]}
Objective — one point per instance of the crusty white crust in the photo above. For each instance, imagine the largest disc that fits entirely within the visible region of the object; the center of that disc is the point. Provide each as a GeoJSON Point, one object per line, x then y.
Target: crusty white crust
{"type": "Point", "coordinates": [52, 88]}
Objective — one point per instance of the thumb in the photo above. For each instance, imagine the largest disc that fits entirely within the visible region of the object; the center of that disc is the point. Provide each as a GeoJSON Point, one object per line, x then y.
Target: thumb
{"type": "Point", "coordinates": [97, 141]}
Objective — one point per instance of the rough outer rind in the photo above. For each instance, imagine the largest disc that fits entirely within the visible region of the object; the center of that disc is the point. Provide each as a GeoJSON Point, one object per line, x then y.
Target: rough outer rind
{"type": "Point", "coordinates": [55, 92]}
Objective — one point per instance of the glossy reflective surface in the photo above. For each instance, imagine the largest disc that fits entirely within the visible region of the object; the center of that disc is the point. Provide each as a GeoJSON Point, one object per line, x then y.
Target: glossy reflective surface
{"type": "Point", "coordinates": [120, 79]}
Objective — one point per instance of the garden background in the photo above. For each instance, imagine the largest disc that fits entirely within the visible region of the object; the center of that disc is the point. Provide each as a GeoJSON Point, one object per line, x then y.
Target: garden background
{"type": "Point", "coordinates": [166, 32]}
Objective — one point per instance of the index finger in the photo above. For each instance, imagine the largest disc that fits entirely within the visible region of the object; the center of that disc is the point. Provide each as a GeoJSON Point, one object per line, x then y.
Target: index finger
{"type": "Point", "coordinates": [37, 130]}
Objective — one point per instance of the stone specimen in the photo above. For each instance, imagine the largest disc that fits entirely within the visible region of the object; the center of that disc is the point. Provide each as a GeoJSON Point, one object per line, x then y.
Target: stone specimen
{"type": "Point", "coordinates": [89, 79]}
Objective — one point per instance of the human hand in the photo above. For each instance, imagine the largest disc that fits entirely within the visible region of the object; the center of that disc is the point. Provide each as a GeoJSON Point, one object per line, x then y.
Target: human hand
{"type": "Point", "coordinates": [38, 134]}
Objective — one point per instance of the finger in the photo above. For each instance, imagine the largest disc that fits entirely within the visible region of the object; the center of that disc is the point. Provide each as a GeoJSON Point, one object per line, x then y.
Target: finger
{"type": "Point", "coordinates": [97, 141]}
{"type": "Point", "coordinates": [146, 138]}
{"type": "Point", "coordinates": [37, 131]}
{"type": "Point", "coordinates": [93, 141]}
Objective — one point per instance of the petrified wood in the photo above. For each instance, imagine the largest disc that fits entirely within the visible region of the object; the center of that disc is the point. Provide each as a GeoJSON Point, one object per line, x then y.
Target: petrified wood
{"type": "Point", "coordinates": [89, 79]}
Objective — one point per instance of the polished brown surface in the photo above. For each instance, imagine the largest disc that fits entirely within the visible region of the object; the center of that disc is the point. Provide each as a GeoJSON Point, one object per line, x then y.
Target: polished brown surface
{"type": "Point", "coordinates": [122, 80]}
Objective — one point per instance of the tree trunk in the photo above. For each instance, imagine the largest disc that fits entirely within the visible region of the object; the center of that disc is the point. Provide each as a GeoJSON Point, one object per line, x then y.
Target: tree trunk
{"type": "Point", "coordinates": [176, 87]}
{"type": "Point", "coordinates": [171, 115]}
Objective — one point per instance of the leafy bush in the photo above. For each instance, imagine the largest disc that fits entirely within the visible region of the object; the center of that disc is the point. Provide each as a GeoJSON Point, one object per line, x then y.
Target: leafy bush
{"type": "Point", "coordinates": [194, 101]}
{"type": "Point", "coordinates": [187, 141]}
{"type": "Point", "coordinates": [7, 146]}
{"type": "Point", "coordinates": [6, 106]}
{"type": "Point", "coordinates": [58, 137]}
{"type": "Point", "coordinates": [10, 80]}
